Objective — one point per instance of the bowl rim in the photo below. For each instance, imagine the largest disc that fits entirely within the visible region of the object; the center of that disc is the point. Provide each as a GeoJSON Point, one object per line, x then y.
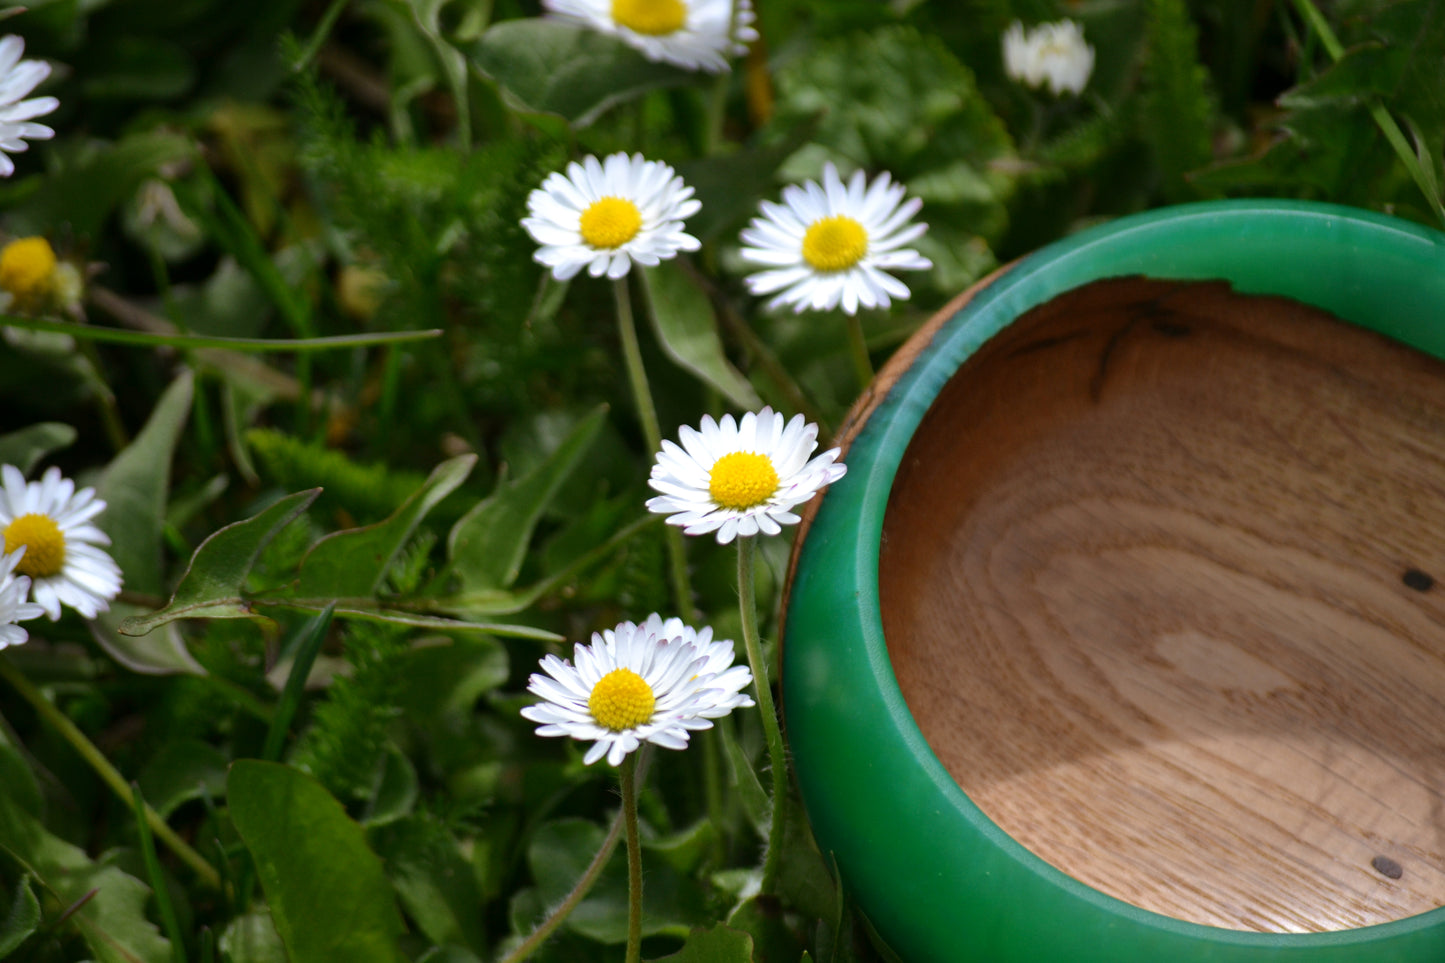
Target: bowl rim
{"type": "Point", "coordinates": [919, 857]}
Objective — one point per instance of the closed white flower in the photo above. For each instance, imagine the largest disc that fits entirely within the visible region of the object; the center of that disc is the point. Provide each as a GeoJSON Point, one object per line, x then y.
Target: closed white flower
{"type": "Point", "coordinates": [1052, 53]}
{"type": "Point", "coordinates": [738, 478]}
{"type": "Point", "coordinates": [605, 215]}
{"type": "Point", "coordinates": [655, 682]}
{"type": "Point", "coordinates": [834, 243]}
{"type": "Point", "coordinates": [692, 34]}
{"type": "Point", "coordinates": [18, 78]}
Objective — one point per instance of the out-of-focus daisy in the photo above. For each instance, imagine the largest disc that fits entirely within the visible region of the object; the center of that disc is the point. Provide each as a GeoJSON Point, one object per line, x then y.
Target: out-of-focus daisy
{"type": "Point", "coordinates": [692, 34]}
{"type": "Point", "coordinates": [51, 521]}
{"type": "Point", "coordinates": [13, 607]}
{"type": "Point", "coordinates": [833, 243]}
{"type": "Point", "coordinates": [1051, 52]}
{"type": "Point", "coordinates": [34, 281]}
{"type": "Point", "coordinates": [17, 78]}
{"type": "Point", "coordinates": [740, 478]}
{"type": "Point", "coordinates": [655, 682]}
{"type": "Point", "coordinates": [604, 215]}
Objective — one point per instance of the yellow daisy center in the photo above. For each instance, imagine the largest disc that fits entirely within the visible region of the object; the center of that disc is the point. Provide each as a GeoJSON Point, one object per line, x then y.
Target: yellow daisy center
{"type": "Point", "coordinates": [655, 18]}
{"type": "Point", "coordinates": [610, 222]}
{"type": "Point", "coordinates": [742, 479]}
{"type": "Point", "coordinates": [44, 545]}
{"type": "Point", "coordinates": [26, 267]}
{"type": "Point", "coordinates": [620, 700]}
{"type": "Point", "coordinates": [835, 243]}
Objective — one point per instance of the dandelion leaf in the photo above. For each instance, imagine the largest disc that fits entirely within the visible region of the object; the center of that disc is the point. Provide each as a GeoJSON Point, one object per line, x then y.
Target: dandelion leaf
{"type": "Point", "coordinates": [329, 896]}
{"type": "Point", "coordinates": [212, 586]}
{"type": "Point", "coordinates": [487, 546]}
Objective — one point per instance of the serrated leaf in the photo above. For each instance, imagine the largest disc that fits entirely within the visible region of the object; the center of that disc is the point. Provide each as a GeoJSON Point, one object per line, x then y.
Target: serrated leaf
{"type": "Point", "coordinates": [1178, 112]}
{"type": "Point", "coordinates": [212, 586]}
{"type": "Point", "coordinates": [22, 920]}
{"type": "Point", "coordinates": [557, 68]}
{"type": "Point", "coordinates": [111, 917]}
{"type": "Point", "coordinates": [686, 327]}
{"type": "Point", "coordinates": [717, 944]}
{"type": "Point", "coordinates": [25, 448]}
{"type": "Point", "coordinates": [353, 563]}
{"type": "Point", "coordinates": [487, 545]}
{"type": "Point", "coordinates": [329, 897]}
{"type": "Point", "coordinates": [135, 487]}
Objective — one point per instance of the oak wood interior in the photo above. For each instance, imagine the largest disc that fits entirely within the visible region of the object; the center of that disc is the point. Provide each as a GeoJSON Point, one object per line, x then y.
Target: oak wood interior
{"type": "Point", "coordinates": [1157, 584]}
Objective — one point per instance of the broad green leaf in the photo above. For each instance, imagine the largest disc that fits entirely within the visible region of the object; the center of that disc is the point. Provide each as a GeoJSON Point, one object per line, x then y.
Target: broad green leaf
{"type": "Point", "coordinates": [557, 68]}
{"type": "Point", "coordinates": [353, 563]}
{"type": "Point", "coordinates": [135, 487]}
{"type": "Point", "coordinates": [25, 448]}
{"type": "Point", "coordinates": [183, 769]}
{"type": "Point", "coordinates": [112, 918]}
{"type": "Point", "coordinates": [487, 545]}
{"type": "Point", "coordinates": [717, 944]}
{"type": "Point", "coordinates": [22, 920]}
{"type": "Point", "coordinates": [435, 882]}
{"type": "Point", "coordinates": [686, 328]}
{"type": "Point", "coordinates": [329, 897]}
{"type": "Point", "coordinates": [212, 585]}
{"type": "Point", "coordinates": [252, 938]}
{"type": "Point", "coordinates": [559, 854]}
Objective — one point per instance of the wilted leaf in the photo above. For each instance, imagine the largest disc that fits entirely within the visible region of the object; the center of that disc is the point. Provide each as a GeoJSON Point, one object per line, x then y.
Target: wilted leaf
{"type": "Point", "coordinates": [329, 897]}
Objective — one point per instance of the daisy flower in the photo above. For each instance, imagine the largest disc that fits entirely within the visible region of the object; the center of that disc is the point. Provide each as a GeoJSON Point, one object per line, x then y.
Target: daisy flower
{"type": "Point", "coordinates": [740, 478]}
{"type": "Point", "coordinates": [692, 34]}
{"type": "Point", "coordinates": [13, 607]}
{"type": "Point", "coordinates": [832, 243]}
{"type": "Point", "coordinates": [17, 78]}
{"type": "Point", "coordinates": [51, 521]}
{"type": "Point", "coordinates": [604, 215]}
{"type": "Point", "coordinates": [656, 682]}
{"type": "Point", "coordinates": [1052, 52]}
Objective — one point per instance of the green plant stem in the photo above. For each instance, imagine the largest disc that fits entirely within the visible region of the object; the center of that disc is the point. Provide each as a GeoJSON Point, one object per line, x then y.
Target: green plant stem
{"type": "Point", "coordinates": [158, 882]}
{"type": "Point", "coordinates": [1383, 119]}
{"type": "Point", "coordinates": [858, 350]}
{"type": "Point", "coordinates": [628, 776]}
{"type": "Point", "coordinates": [748, 607]}
{"type": "Point", "coordinates": [652, 434]}
{"type": "Point", "coordinates": [568, 904]}
{"type": "Point", "coordinates": [106, 771]}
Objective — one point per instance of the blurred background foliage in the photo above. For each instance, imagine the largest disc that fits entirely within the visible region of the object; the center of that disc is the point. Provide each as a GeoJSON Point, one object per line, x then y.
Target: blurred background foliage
{"type": "Point", "coordinates": [294, 169]}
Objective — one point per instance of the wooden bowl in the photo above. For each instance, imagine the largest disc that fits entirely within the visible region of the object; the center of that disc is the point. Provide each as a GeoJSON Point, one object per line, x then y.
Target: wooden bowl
{"type": "Point", "coordinates": [1120, 640]}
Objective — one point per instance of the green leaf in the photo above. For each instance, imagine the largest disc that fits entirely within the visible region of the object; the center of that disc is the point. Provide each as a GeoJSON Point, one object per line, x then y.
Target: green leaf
{"type": "Point", "coordinates": [353, 563]}
{"type": "Point", "coordinates": [111, 917]}
{"type": "Point", "coordinates": [329, 897]}
{"type": "Point", "coordinates": [751, 794]}
{"type": "Point", "coordinates": [435, 882]}
{"type": "Point", "coordinates": [25, 448]}
{"type": "Point", "coordinates": [557, 68]}
{"type": "Point", "coordinates": [718, 944]}
{"type": "Point", "coordinates": [212, 585]}
{"type": "Point", "coordinates": [252, 938]}
{"type": "Point", "coordinates": [22, 920]}
{"type": "Point", "coordinates": [1178, 114]}
{"type": "Point", "coordinates": [135, 487]}
{"type": "Point", "coordinates": [439, 680]}
{"type": "Point", "coordinates": [309, 638]}
{"type": "Point", "coordinates": [686, 328]}
{"type": "Point", "coordinates": [183, 769]}
{"type": "Point", "coordinates": [487, 545]}
{"type": "Point", "coordinates": [142, 339]}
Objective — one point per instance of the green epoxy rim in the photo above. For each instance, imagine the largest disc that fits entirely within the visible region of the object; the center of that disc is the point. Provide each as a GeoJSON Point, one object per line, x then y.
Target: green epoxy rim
{"type": "Point", "coordinates": [938, 879]}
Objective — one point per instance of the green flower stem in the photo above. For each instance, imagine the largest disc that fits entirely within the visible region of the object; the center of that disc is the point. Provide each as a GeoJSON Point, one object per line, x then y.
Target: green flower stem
{"type": "Point", "coordinates": [106, 771]}
{"type": "Point", "coordinates": [748, 606]}
{"type": "Point", "coordinates": [858, 349]}
{"type": "Point", "coordinates": [1424, 179]}
{"type": "Point", "coordinates": [652, 434]}
{"type": "Point", "coordinates": [628, 775]}
{"type": "Point", "coordinates": [578, 893]}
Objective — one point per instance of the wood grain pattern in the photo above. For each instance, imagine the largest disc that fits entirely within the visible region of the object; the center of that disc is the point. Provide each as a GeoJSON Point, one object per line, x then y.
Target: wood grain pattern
{"type": "Point", "coordinates": [1156, 584]}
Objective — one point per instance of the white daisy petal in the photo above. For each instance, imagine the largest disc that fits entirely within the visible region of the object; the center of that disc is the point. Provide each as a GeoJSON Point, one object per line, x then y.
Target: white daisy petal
{"type": "Point", "coordinates": [650, 682]}
{"type": "Point", "coordinates": [825, 244]}
{"type": "Point", "coordinates": [17, 78]}
{"type": "Point", "coordinates": [691, 34]}
{"type": "Point", "coordinates": [63, 562]}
